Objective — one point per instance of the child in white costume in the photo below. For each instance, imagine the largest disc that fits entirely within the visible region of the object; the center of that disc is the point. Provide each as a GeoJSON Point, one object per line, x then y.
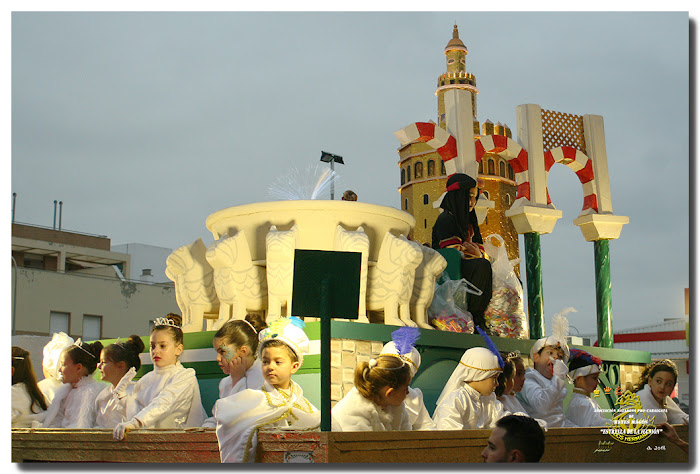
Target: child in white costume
{"type": "Point", "coordinates": [168, 396]}
{"type": "Point", "coordinates": [418, 415]}
{"type": "Point", "coordinates": [513, 385]}
{"type": "Point", "coordinates": [654, 389]}
{"type": "Point", "coordinates": [279, 404]}
{"type": "Point", "coordinates": [28, 403]}
{"type": "Point", "coordinates": [236, 345]}
{"type": "Point", "coordinates": [376, 402]}
{"type": "Point", "coordinates": [544, 389]}
{"type": "Point", "coordinates": [118, 365]}
{"type": "Point", "coordinates": [468, 400]}
{"type": "Point", "coordinates": [52, 355]}
{"type": "Point", "coordinates": [74, 403]}
{"type": "Point", "coordinates": [584, 370]}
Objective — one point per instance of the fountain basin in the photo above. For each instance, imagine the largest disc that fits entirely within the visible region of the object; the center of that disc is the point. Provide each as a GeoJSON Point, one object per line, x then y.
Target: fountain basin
{"type": "Point", "coordinates": [316, 220]}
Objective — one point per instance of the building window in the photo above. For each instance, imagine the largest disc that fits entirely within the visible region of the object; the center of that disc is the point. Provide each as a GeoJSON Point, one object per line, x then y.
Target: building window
{"type": "Point", "coordinates": [33, 261]}
{"type": "Point", "coordinates": [426, 199]}
{"type": "Point", "coordinates": [59, 322]}
{"type": "Point", "coordinates": [408, 172]}
{"type": "Point", "coordinates": [508, 199]}
{"type": "Point", "coordinates": [481, 167]}
{"type": "Point", "coordinates": [511, 173]}
{"type": "Point", "coordinates": [405, 204]}
{"type": "Point", "coordinates": [485, 193]}
{"type": "Point", "coordinates": [492, 167]}
{"type": "Point", "coordinates": [92, 327]}
{"type": "Point", "coordinates": [431, 168]}
{"type": "Point", "coordinates": [442, 168]}
{"type": "Point", "coordinates": [502, 168]}
{"type": "Point", "coordinates": [425, 223]}
{"type": "Point", "coordinates": [403, 176]}
{"type": "Point", "coordinates": [418, 170]}
{"type": "Point", "coordinates": [450, 61]}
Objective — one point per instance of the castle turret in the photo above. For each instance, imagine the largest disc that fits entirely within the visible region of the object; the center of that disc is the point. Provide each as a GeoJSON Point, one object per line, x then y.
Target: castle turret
{"type": "Point", "coordinates": [423, 173]}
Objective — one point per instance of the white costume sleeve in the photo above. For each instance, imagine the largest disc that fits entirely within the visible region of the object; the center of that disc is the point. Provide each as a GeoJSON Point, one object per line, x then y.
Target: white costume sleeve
{"type": "Point", "coordinates": [356, 413]}
{"type": "Point", "coordinates": [582, 412]}
{"type": "Point", "coordinates": [675, 415]}
{"type": "Point", "coordinates": [111, 403]}
{"type": "Point", "coordinates": [454, 412]}
{"type": "Point", "coordinates": [49, 386]}
{"type": "Point", "coordinates": [79, 406]}
{"type": "Point", "coordinates": [22, 414]}
{"type": "Point", "coordinates": [417, 413]}
{"type": "Point", "coordinates": [241, 415]}
{"type": "Point", "coordinates": [541, 398]}
{"type": "Point", "coordinates": [179, 389]}
{"type": "Point", "coordinates": [54, 414]}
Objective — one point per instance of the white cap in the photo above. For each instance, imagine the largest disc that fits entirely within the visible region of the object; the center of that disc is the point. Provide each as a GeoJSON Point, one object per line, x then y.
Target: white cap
{"type": "Point", "coordinates": [412, 358]}
{"type": "Point", "coordinates": [476, 364]}
{"type": "Point", "coordinates": [290, 331]}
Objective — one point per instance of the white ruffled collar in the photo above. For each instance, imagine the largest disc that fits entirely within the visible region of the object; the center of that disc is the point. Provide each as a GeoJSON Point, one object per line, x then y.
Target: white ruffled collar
{"type": "Point", "coordinates": [83, 382]}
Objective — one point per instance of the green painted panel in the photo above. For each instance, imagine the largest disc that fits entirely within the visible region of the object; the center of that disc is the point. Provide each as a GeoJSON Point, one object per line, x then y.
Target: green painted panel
{"type": "Point", "coordinates": [454, 262]}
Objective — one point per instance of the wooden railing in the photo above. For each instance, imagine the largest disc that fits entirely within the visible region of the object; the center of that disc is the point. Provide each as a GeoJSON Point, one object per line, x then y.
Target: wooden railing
{"type": "Point", "coordinates": [199, 445]}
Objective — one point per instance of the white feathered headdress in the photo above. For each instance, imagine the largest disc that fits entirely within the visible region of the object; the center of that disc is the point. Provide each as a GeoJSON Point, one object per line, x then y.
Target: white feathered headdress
{"type": "Point", "coordinates": [560, 332]}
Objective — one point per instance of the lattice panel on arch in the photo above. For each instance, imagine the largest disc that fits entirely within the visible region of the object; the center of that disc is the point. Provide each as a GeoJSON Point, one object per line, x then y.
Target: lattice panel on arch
{"type": "Point", "coordinates": [560, 129]}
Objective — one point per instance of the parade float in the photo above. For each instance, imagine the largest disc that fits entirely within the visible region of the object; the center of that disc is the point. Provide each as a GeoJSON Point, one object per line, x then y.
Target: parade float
{"type": "Point", "coordinates": [249, 267]}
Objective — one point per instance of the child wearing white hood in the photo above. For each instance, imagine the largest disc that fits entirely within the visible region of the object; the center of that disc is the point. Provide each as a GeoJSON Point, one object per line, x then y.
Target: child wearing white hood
{"type": "Point", "coordinates": [468, 400]}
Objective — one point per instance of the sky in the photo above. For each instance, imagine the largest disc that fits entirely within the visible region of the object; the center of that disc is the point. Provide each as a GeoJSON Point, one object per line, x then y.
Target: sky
{"type": "Point", "coordinates": [143, 124]}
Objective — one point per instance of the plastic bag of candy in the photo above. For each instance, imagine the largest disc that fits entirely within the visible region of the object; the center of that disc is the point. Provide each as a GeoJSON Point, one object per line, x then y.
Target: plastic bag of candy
{"type": "Point", "coordinates": [505, 314]}
{"type": "Point", "coordinates": [448, 311]}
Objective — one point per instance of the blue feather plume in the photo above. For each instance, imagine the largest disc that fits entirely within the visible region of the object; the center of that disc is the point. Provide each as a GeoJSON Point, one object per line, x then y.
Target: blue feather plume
{"type": "Point", "coordinates": [405, 338]}
{"type": "Point", "coordinates": [491, 346]}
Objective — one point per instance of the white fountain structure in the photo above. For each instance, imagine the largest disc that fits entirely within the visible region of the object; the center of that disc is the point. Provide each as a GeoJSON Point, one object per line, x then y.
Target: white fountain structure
{"type": "Point", "coordinates": [249, 266]}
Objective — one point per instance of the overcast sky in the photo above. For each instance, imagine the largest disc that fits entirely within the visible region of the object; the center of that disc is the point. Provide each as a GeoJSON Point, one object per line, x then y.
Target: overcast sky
{"type": "Point", "coordinates": [143, 124]}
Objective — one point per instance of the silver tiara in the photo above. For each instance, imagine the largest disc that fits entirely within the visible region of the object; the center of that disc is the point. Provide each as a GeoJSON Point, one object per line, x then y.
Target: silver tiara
{"type": "Point", "coordinates": [165, 322]}
{"type": "Point", "coordinates": [79, 345]}
{"type": "Point", "coordinates": [119, 343]}
{"type": "Point", "coordinates": [251, 326]}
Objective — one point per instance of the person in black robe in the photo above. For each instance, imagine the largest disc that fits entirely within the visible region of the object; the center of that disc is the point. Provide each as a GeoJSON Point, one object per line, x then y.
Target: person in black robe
{"type": "Point", "coordinates": [457, 227]}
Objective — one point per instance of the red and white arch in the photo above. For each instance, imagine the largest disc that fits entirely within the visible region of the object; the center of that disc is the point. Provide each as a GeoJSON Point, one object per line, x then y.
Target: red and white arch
{"type": "Point", "coordinates": [429, 133]}
{"type": "Point", "coordinates": [580, 164]}
{"type": "Point", "coordinates": [513, 153]}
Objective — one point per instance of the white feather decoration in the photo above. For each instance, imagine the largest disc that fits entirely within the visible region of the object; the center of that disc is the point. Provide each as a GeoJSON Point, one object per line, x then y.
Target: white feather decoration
{"type": "Point", "coordinates": [560, 325]}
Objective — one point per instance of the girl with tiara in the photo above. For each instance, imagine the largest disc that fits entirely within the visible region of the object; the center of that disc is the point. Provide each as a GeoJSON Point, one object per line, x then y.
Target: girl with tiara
{"type": "Point", "coordinates": [168, 396]}
{"type": "Point", "coordinates": [236, 345]}
{"type": "Point", "coordinates": [584, 370]}
{"type": "Point", "coordinates": [513, 379]}
{"type": "Point", "coordinates": [28, 403]}
{"type": "Point", "coordinates": [654, 389]}
{"type": "Point", "coordinates": [405, 338]}
{"type": "Point", "coordinates": [51, 363]}
{"type": "Point", "coordinates": [118, 365]}
{"type": "Point", "coordinates": [457, 227]}
{"type": "Point", "coordinates": [376, 402]}
{"type": "Point", "coordinates": [74, 403]}
{"type": "Point", "coordinates": [467, 401]}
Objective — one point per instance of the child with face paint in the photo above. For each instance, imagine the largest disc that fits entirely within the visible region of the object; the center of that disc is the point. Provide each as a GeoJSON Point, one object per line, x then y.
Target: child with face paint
{"type": "Point", "coordinates": [654, 389]}
{"type": "Point", "coordinates": [236, 345]}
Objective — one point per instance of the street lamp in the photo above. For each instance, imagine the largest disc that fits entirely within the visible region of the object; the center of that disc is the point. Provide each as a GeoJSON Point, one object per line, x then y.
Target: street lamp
{"type": "Point", "coordinates": [332, 159]}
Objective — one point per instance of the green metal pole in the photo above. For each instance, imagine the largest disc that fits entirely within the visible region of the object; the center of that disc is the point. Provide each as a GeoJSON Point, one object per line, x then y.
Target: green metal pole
{"type": "Point", "coordinates": [533, 272]}
{"type": "Point", "coordinates": [603, 291]}
{"type": "Point", "coordinates": [325, 357]}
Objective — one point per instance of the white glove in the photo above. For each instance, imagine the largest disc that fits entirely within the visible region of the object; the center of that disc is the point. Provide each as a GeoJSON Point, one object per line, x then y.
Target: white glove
{"type": "Point", "coordinates": [559, 368]}
{"type": "Point", "coordinates": [120, 429]}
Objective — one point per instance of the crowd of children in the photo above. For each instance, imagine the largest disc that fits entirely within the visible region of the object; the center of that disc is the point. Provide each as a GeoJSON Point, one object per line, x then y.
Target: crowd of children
{"type": "Point", "coordinates": [258, 392]}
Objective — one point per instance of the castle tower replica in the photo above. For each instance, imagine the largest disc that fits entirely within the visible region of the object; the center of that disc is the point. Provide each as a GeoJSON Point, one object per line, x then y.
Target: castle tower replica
{"type": "Point", "coordinates": [423, 160]}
